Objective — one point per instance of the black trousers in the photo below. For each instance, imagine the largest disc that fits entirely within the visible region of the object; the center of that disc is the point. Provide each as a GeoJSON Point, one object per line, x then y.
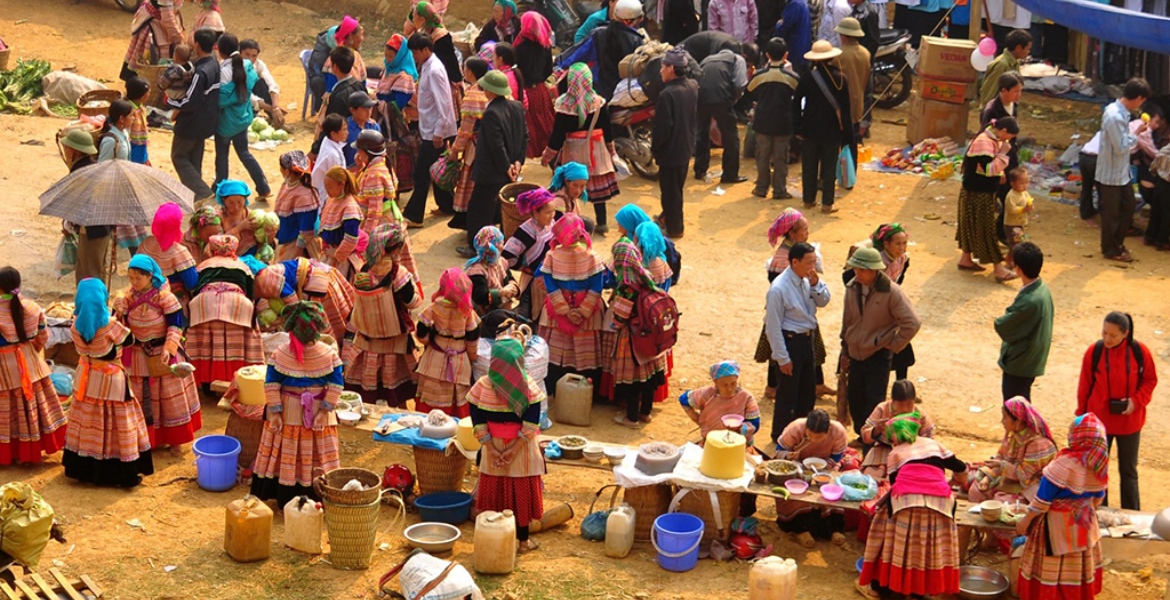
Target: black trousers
{"type": "Point", "coordinates": [1088, 166]}
{"type": "Point", "coordinates": [724, 116]}
{"type": "Point", "coordinates": [1117, 203]}
{"type": "Point", "coordinates": [796, 394]}
{"type": "Point", "coordinates": [483, 208]}
{"type": "Point", "coordinates": [638, 398]}
{"type": "Point", "coordinates": [1014, 385]}
{"type": "Point", "coordinates": [417, 207]}
{"type": "Point", "coordinates": [1158, 197]}
{"type": "Point", "coordinates": [670, 185]}
{"type": "Point", "coordinates": [818, 161]}
{"type": "Point", "coordinates": [868, 381]}
{"type": "Point", "coordinates": [1127, 459]}
{"type": "Point", "coordinates": [187, 158]}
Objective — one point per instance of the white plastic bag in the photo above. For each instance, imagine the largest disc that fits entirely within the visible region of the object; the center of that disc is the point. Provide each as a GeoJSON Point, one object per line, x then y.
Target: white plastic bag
{"type": "Point", "coordinates": [621, 168]}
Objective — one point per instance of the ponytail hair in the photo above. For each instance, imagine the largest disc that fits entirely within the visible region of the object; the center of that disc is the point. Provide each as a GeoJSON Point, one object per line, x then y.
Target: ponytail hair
{"type": "Point", "coordinates": [507, 54]}
{"type": "Point", "coordinates": [229, 47]}
{"type": "Point", "coordinates": [1124, 322]}
{"type": "Point", "coordinates": [118, 108]}
{"type": "Point", "coordinates": [10, 284]}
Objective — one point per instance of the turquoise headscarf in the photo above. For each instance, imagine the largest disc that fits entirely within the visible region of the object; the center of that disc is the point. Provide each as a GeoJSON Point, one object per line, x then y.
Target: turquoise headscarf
{"type": "Point", "coordinates": [90, 308]}
{"type": "Point", "coordinates": [232, 187]}
{"type": "Point", "coordinates": [630, 217]}
{"type": "Point", "coordinates": [570, 171]}
{"type": "Point", "coordinates": [650, 241]}
{"type": "Point", "coordinates": [254, 264]}
{"type": "Point", "coordinates": [145, 263]}
{"type": "Point", "coordinates": [403, 58]}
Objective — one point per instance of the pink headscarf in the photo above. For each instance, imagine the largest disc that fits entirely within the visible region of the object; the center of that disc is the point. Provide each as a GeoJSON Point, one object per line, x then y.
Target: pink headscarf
{"type": "Point", "coordinates": [455, 287]}
{"type": "Point", "coordinates": [783, 224]}
{"type": "Point", "coordinates": [569, 230]}
{"type": "Point", "coordinates": [534, 199]}
{"type": "Point", "coordinates": [348, 25]}
{"type": "Point", "coordinates": [534, 27]}
{"type": "Point", "coordinates": [167, 226]}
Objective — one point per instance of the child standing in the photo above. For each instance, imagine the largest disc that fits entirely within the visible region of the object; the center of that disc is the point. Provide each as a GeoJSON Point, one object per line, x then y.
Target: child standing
{"type": "Point", "coordinates": [361, 106]}
{"type": "Point", "coordinates": [449, 332]}
{"type": "Point", "coordinates": [1016, 207]}
{"type": "Point", "coordinates": [341, 221]}
{"type": "Point", "coordinates": [136, 91]}
{"type": "Point", "coordinates": [296, 205]}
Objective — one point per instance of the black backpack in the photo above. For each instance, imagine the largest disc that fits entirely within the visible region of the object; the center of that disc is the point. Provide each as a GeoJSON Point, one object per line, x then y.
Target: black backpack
{"type": "Point", "coordinates": [674, 260]}
{"type": "Point", "coordinates": [1138, 354]}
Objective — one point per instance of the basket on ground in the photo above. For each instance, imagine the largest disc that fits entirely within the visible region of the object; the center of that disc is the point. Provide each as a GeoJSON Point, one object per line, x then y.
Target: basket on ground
{"type": "Point", "coordinates": [353, 530]}
{"type": "Point", "coordinates": [510, 215]}
{"type": "Point", "coordinates": [107, 96]}
{"type": "Point", "coordinates": [439, 471]}
{"type": "Point", "coordinates": [248, 432]}
{"type": "Point", "coordinates": [648, 502]}
{"type": "Point", "coordinates": [329, 486]}
{"type": "Point", "coordinates": [716, 509]}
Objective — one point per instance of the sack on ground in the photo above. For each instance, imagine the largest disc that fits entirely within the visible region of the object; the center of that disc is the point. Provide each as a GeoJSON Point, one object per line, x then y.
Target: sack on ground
{"type": "Point", "coordinates": [66, 87]}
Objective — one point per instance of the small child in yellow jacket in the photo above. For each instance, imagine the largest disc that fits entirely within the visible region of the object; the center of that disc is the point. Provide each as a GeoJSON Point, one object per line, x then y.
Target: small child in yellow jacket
{"type": "Point", "coordinates": [1016, 207]}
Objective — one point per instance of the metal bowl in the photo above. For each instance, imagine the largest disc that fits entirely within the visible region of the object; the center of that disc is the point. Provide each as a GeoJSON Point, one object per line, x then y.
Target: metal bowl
{"type": "Point", "coordinates": [432, 537]}
{"type": "Point", "coordinates": [981, 583]}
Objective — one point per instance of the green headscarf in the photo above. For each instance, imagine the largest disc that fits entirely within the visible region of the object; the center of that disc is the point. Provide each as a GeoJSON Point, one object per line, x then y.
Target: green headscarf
{"type": "Point", "coordinates": [509, 376]}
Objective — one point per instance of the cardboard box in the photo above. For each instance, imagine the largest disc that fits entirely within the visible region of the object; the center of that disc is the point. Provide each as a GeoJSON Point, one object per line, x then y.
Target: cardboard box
{"type": "Point", "coordinates": [946, 59]}
{"type": "Point", "coordinates": [934, 119]}
{"type": "Point", "coordinates": [943, 91]}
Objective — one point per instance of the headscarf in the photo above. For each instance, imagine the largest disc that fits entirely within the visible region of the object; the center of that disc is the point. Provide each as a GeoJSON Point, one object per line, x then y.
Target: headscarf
{"type": "Point", "coordinates": [167, 226]}
{"type": "Point", "coordinates": [727, 368]}
{"type": "Point", "coordinates": [535, 28]}
{"type": "Point", "coordinates": [202, 218]}
{"type": "Point", "coordinates": [509, 11]}
{"type": "Point", "coordinates": [531, 200]}
{"type": "Point", "coordinates": [883, 233]}
{"type": "Point", "coordinates": [630, 217]}
{"type": "Point", "coordinates": [455, 287]}
{"type": "Point", "coordinates": [1087, 444]}
{"type": "Point", "coordinates": [211, 5]}
{"type": "Point", "coordinates": [90, 309]}
{"type": "Point", "coordinates": [903, 429]}
{"type": "Point", "coordinates": [254, 264]}
{"type": "Point", "coordinates": [488, 52]}
{"type": "Point", "coordinates": [390, 235]}
{"type": "Point", "coordinates": [627, 266]}
{"type": "Point", "coordinates": [232, 187]}
{"type": "Point", "coordinates": [570, 171]}
{"type": "Point", "coordinates": [432, 18]}
{"type": "Point", "coordinates": [569, 230]}
{"type": "Point", "coordinates": [1022, 410]}
{"type": "Point", "coordinates": [488, 243]}
{"type": "Point", "coordinates": [579, 98]}
{"type": "Point", "coordinates": [650, 241]}
{"type": "Point", "coordinates": [403, 58]}
{"type": "Point", "coordinates": [348, 25]}
{"type": "Point", "coordinates": [783, 224]}
{"type": "Point", "coordinates": [295, 161]}
{"type": "Point", "coordinates": [509, 376]}
{"type": "Point", "coordinates": [223, 245]}
{"type": "Point", "coordinates": [304, 322]}
{"type": "Point", "coordinates": [145, 263]}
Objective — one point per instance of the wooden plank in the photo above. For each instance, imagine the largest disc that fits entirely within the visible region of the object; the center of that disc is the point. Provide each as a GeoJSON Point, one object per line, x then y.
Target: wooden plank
{"type": "Point", "coordinates": [9, 593]}
{"type": "Point", "coordinates": [27, 591]}
{"type": "Point", "coordinates": [93, 587]}
{"type": "Point", "coordinates": [44, 585]}
{"type": "Point", "coordinates": [65, 585]}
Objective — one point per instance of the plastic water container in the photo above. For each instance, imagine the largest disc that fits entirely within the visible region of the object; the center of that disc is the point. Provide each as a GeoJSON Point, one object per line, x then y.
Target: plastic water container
{"type": "Point", "coordinates": [495, 542]}
{"type": "Point", "coordinates": [248, 529]}
{"type": "Point", "coordinates": [619, 531]}
{"type": "Point", "coordinates": [466, 435]}
{"type": "Point", "coordinates": [216, 458]}
{"type": "Point", "coordinates": [303, 521]}
{"type": "Point", "coordinates": [574, 400]}
{"type": "Point", "coordinates": [676, 538]}
{"type": "Point", "coordinates": [250, 381]}
{"type": "Point", "coordinates": [772, 578]}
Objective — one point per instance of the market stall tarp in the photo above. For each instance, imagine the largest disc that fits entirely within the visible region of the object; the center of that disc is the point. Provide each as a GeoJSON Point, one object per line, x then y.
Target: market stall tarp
{"type": "Point", "coordinates": [1110, 23]}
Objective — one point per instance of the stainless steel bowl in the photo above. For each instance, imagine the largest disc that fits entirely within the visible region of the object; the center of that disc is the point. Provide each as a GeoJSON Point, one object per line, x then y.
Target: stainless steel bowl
{"type": "Point", "coordinates": [981, 583]}
{"type": "Point", "coordinates": [432, 537]}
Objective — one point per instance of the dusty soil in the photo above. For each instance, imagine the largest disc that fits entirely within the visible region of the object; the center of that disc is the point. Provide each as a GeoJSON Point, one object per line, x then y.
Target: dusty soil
{"type": "Point", "coordinates": [721, 296]}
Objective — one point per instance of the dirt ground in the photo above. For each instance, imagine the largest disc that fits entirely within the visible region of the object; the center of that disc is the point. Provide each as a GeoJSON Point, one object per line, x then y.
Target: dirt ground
{"type": "Point", "coordinates": [721, 296]}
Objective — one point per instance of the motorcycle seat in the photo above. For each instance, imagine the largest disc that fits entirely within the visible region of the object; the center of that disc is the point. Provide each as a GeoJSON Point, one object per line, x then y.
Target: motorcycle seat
{"type": "Point", "coordinates": [889, 36]}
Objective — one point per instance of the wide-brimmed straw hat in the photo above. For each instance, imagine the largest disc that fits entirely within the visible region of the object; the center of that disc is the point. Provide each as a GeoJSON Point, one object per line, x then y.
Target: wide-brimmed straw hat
{"type": "Point", "coordinates": [822, 50]}
{"type": "Point", "coordinates": [850, 27]}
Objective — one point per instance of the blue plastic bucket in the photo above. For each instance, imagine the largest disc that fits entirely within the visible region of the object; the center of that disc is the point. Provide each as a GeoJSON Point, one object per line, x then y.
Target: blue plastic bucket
{"type": "Point", "coordinates": [216, 458]}
{"type": "Point", "coordinates": [445, 507]}
{"type": "Point", "coordinates": [676, 537]}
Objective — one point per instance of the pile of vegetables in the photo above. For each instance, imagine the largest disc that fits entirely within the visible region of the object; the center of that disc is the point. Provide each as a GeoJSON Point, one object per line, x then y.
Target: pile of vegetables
{"type": "Point", "coordinates": [261, 131]}
{"type": "Point", "coordinates": [22, 85]}
{"type": "Point", "coordinates": [264, 220]}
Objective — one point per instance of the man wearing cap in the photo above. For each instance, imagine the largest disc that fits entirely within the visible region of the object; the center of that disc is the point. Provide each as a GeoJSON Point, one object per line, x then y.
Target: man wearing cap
{"type": "Point", "coordinates": [673, 138]}
{"type": "Point", "coordinates": [436, 127]}
{"type": "Point", "coordinates": [855, 65]}
{"type": "Point", "coordinates": [723, 78]}
{"type": "Point", "coordinates": [93, 242]}
{"type": "Point", "coordinates": [823, 123]}
{"type": "Point", "coordinates": [501, 144]}
{"type": "Point", "coordinates": [608, 45]}
{"type": "Point", "coordinates": [877, 324]}
{"type": "Point", "coordinates": [361, 105]}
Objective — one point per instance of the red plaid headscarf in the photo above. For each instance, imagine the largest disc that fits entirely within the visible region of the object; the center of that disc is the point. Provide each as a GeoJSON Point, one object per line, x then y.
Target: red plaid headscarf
{"type": "Point", "coordinates": [783, 224]}
{"type": "Point", "coordinates": [509, 376]}
{"type": "Point", "coordinates": [1022, 410]}
{"type": "Point", "coordinates": [455, 287]}
{"type": "Point", "coordinates": [1084, 465]}
{"type": "Point", "coordinates": [569, 230]}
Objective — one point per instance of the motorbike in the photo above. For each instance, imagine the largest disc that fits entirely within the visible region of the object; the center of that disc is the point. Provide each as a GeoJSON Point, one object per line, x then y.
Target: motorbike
{"type": "Point", "coordinates": [128, 5]}
{"type": "Point", "coordinates": [632, 128]}
{"type": "Point", "coordinates": [893, 77]}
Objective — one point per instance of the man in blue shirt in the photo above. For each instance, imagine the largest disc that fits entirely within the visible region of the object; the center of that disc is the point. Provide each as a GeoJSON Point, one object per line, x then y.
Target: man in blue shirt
{"type": "Point", "coordinates": [790, 323]}
{"type": "Point", "coordinates": [360, 107]}
{"type": "Point", "coordinates": [1114, 181]}
{"type": "Point", "coordinates": [795, 29]}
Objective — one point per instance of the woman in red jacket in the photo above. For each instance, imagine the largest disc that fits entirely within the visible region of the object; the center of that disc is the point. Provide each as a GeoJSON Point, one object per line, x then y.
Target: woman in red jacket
{"type": "Point", "coordinates": [1117, 383]}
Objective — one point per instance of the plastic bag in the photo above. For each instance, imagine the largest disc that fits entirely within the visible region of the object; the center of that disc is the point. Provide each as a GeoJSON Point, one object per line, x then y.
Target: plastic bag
{"type": "Point", "coordinates": [593, 526]}
{"type": "Point", "coordinates": [621, 168]}
{"type": "Point", "coordinates": [66, 259]}
{"type": "Point", "coordinates": [853, 481]}
{"type": "Point", "coordinates": [422, 568]}
{"type": "Point", "coordinates": [846, 170]}
{"type": "Point", "coordinates": [25, 522]}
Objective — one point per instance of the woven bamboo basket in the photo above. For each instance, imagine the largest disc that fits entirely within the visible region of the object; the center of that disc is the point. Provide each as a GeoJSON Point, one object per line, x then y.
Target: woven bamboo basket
{"type": "Point", "coordinates": [5, 54]}
{"type": "Point", "coordinates": [353, 530]}
{"type": "Point", "coordinates": [698, 503]}
{"type": "Point", "coordinates": [247, 431]}
{"type": "Point", "coordinates": [152, 73]}
{"type": "Point", "coordinates": [509, 214]}
{"type": "Point", "coordinates": [328, 486]}
{"type": "Point", "coordinates": [439, 471]}
{"type": "Point", "coordinates": [107, 96]}
{"type": "Point", "coordinates": [649, 502]}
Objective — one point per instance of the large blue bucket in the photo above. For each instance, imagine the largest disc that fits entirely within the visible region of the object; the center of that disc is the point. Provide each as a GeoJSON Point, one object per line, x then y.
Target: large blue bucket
{"type": "Point", "coordinates": [215, 462]}
{"type": "Point", "coordinates": [676, 537]}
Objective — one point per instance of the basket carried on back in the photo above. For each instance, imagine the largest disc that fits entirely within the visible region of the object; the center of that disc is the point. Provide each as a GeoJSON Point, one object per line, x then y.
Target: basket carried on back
{"type": "Point", "coordinates": [439, 471]}
{"type": "Point", "coordinates": [329, 485]}
{"type": "Point", "coordinates": [509, 214]}
{"type": "Point", "coordinates": [353, 529]}
{"type": "Point", "coordinates": [152, 74]}
{"type": "Point", "coordinates": [107, 96]}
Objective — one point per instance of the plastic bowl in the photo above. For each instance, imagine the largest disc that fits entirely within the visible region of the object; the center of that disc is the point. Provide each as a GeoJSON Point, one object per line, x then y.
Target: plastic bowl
{"type": "Point", "coordinates": [732, 421]}
{"type": "Point", "coordinates": [813, 462]}
{"type": "Point", "coordinates": [435, 538]}
{"type": "Point", "coordinates": [991, 510]}
{"type": "Point", "coordinates": [593, 453]}
{"type": "Point", "coordinates": [832, 492]}
{"type": "Point", "coordinates": [860, 564]}
{"type": "Point", "coordinates": [796, 486]}
{"type": "Point", "coordinates": [444, 507]}
{"type": "Point", "coordinates": [615, 455]}
{"type": "Point", "coordinates": [349, 417]}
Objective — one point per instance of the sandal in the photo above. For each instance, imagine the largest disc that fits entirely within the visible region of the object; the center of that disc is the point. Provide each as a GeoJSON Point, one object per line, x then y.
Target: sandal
{"type": "Point", "coordinates": [829, 209]}
{"type": "Point", "coordinates": [1124, 257]}
{"type": "Point", "coordinates": [621, 420]}
{"type": "Point", "coordinates": [838, 539]}
{"type": "Point", "coordinates": [527, 546]}
{"type": "Point", "coordinates": [1006, 278]}
{"type": "Point", "coordinates": [971, 267]}
{"type": "Point", "coordinates": [866, 591]}
{"type": "Point", "coordinates": [645, 419]}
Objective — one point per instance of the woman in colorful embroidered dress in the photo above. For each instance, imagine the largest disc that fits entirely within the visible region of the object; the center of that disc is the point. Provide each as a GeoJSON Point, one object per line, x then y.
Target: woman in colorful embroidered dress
{"type": "Point", "coordinates": [1026, 449]}
{"type": "Point", "coordinates": [492, 285]}
{"type": "Point", "coordinates": [449, 332]}
{"type": "Point", "coordinates": [892, 240]}
{"type": "Point", "coordinates": [526, 249]}
{"type": "Point", "coordinates": [204, 223]}
{"type": "Point", "coordinates": [302, 387]}
{"type": "Point", "coordinates": [341, 220]}
{"type": "Point", "coordinates": [157, 27]}
{"type": "Point", "coordinates": [155, 319]}
{"type": "Point", "coordinates": [1062, 557]}
{"type": "Point", "coordinates": [875, 434]}
{"type": "Point", "coordinates": [31, 420]}
{"type": "Point", "coordinates": [502, 27]}
{"type": "Point", "coordinates": [209, 16]}
{"type": "Point", "coordinates": [985, 163]}
{"type": "Point", "coordinates": [222, 336]}
{"type": "Point", "coordinates": [707, 405]}
{"type": "Point", "coordinates": [396, 110]}
{"type": "Point", "coordinates": [912, 546]}
{"type": "Point", "coordinates": [505, 409]}
{"type": "Point", "coordinates": [581, 133]}
{"type": "Point", "coordinates": [106, 442]}
{"type": "Point", "coordinates": [571, 323]}
{"type": "Point", "coordinates": [534, 61]}
{"type": "Point", "coordinates": [172, 257]}
{"type": "Point", "coordinates": [569, 184]}
{"type": "Point", "coordinates": [634, 381]}
{"type": "Point", "coordinates": [283, 284]}
{"type": "Point", "coordinates": [383, 363]}
{"type": "Point", "coordinates": [232, 196]}
{"type": "Point", "coordinates": [377, 185]}
{"type": "Point", "coordinates": [815, 436]}
{"type": "Point", "coordinates": [297, 205]}
{"type": "Point", "coordinates": [399, 80]}
{"type": "Point", "coordinates": [470, 112]}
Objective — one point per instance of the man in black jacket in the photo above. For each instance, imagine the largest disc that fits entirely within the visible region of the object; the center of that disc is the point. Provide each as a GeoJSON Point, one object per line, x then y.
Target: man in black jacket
{"type": "Point", "coordinates": [500, 147]}
{"type": "Point", "coordinates": [673, 141]}
{"type": "Point", "coordinates": [822, 122]}
{"type": "Point", "coordinates": [198, 115]}
{"type": "Point", "coordinates": [341, 60]}
{"type": "Point", "coordinates": [720, 86]}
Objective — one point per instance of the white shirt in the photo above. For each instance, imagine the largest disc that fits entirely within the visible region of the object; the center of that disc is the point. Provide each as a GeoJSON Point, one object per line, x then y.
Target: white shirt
{"type": "Point", "coordinates": [835, 11]}
{"type": "Point", "coordinates": [266, 75]}
{"type": "Point", "coordinates": [436, 110]}
{"type": "Point", "coordinates": [330, 155]}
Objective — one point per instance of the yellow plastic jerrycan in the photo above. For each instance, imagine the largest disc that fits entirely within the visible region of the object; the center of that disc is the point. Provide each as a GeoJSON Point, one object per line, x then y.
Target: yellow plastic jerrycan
{"type": "Point", "coordinates": [248, 529]}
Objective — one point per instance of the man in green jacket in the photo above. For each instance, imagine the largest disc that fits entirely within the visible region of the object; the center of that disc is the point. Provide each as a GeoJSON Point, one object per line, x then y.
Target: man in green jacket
{"type": "Point", "coordinates": [1026, 326]}
{"type": "Point", "coordinates": [1017, 46]}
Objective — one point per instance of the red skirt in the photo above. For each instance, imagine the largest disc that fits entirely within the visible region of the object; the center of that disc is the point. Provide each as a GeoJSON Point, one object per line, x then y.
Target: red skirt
{"type": "Point", "coordinates": [539, 117]}
{"type": "Point", "coordinates": [455, 412]}
{"type": "Point", "coordinates": [177, 435]}
{"type": "Point", "coordinates": [915, 551]}
{"type": "Point", "coordinates": [218, 349]}
{"type": "Point", "coordinates": [524, 496]}
{"type": "Point", "coordinates": [30, 427]}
